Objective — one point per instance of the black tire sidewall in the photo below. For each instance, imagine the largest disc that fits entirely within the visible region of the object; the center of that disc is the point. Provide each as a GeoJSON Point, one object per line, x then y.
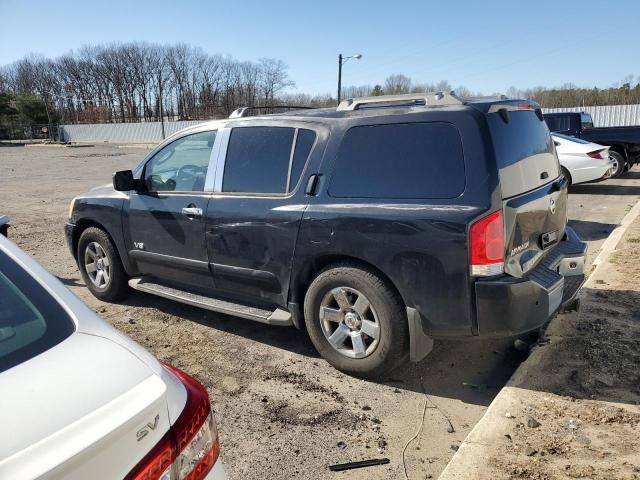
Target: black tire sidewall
{"type": "Point", "coordinates": [393, 343]}
{"type": "Point", "coordinates": [117, 286]}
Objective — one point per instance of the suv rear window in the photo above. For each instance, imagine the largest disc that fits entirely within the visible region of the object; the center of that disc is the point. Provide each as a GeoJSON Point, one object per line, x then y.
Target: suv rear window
{"type": "Point", "coordinates": [524, 150]}
{"type": "Point", "coordinates": [31, 321]}
{"type": "Point", "coordinates": [400, 160]}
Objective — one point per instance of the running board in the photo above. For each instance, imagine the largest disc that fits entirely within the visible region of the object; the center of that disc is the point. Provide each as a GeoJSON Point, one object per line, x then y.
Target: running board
{"type": "Point", "coordinates": [278, 316]}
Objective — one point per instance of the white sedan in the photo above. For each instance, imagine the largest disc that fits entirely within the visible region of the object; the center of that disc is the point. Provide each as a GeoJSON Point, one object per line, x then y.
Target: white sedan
{"type": "Point", "coordinates": [582, 161]}
{"type": "Point", "coordinates": [80, 400]}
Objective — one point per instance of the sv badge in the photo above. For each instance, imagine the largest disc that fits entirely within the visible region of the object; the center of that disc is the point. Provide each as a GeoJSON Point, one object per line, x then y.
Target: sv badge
{"type": "Point", "coordinates": [148, 428]}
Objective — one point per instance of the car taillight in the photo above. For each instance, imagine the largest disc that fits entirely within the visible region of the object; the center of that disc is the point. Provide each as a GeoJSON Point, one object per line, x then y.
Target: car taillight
{"type": "Point", "coordinates": [599, 154]}
{"type": "Point", "coordinates": [486, 238]}
{"type": "Point", "coordinates": [190, 448]}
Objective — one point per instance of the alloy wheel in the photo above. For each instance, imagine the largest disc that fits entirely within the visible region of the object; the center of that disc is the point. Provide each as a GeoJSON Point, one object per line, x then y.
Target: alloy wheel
{"type": "Point", "coordinates": [97, 266]}
{"type": "Point", "coordinates": [349, 322]}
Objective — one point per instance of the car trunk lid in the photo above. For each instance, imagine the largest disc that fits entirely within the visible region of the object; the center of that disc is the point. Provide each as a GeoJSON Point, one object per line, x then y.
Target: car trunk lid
{"type": "Point", "coordinates": [81, 412]}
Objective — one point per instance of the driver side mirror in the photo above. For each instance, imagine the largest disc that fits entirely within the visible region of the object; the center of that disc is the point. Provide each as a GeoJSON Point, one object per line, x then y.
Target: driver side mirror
{"type": "Point", "coordinates": [123, 181]}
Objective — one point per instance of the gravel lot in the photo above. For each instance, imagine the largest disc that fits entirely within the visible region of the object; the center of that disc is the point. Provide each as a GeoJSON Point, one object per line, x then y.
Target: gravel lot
{"type": "Point", "coordinates": [282, 411]}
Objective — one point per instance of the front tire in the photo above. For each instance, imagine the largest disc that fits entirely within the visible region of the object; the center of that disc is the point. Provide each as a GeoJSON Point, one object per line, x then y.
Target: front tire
{"type": "Point", "coordinates": [100, 265]}
{"type": "Point", "coordinates": [356, 320]}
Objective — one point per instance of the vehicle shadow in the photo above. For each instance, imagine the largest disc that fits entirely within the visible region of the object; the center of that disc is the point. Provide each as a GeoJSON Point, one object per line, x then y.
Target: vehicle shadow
{"type": "Point", "coordinates": [70, 282]}
{"type": "Point", "coordinates": [604, 188]}
{"type": "Point", "coordinates": [287, 338]}
{"type": "Point", "coordinates": [590, 231]}
{"type": "Point", "coordinates": [472, 371]}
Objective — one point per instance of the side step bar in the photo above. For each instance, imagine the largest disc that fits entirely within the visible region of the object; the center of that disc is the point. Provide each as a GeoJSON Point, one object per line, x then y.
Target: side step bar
{"type": "Point", "coordinates": [277, 317]}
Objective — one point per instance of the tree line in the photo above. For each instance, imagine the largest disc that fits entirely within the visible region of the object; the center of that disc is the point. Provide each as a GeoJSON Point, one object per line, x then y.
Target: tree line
{"type": "Point", "coordinates": [143, 82]}
{"type": "Point", "coordinates": [136, 82]}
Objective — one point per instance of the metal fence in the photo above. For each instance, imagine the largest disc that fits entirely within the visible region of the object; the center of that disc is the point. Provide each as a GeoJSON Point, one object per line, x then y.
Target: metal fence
{"type": "Point", "coordinates": [147, 132]}
{"type": "Point", "coordinates": [151, 132]}
{"type": "Point", "coordinates": [607, 115]}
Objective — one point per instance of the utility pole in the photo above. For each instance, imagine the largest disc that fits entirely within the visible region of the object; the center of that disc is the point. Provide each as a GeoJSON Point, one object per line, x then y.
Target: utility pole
{"type": "Point", "coordinates": [339, 77]}
{"type": "Point", "coordinates": [342, 60]}
{"type": "Point", "coordinates": [161, 112]}
{"type": "Point", "coordinates": [46, 107]}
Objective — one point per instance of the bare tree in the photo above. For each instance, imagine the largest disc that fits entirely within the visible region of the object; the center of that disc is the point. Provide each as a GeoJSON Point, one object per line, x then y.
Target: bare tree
{"type": "Point", "coordinates": [397, 83]}
{"type": "Point", "coordinates": [273, 79]}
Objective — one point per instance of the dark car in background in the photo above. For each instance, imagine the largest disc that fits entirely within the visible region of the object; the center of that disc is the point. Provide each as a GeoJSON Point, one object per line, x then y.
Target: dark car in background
{"type": "Point", "coordinates": [624, 141]}
{"type": "Point", "coordinates": [376, 226]}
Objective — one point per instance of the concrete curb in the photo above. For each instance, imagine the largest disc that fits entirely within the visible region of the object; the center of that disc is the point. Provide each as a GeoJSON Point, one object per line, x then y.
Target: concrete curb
{"type": "Point", "coordinates": [464, 464]}
{"type": "Point", "coordinates": [145, 146]}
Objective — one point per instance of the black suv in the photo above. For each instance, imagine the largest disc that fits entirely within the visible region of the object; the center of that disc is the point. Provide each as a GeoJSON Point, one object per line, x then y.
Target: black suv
{"type": "Point", "coordinates": [378, 225]}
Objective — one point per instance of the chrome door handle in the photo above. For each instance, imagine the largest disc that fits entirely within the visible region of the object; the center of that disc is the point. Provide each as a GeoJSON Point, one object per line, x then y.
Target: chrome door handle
{"type": "Point", "coordinates": [192, 212]}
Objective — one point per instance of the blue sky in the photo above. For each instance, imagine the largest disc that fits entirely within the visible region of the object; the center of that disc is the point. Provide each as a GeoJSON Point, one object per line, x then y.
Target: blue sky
{"type": "Point", "coordinates": [487, 45]}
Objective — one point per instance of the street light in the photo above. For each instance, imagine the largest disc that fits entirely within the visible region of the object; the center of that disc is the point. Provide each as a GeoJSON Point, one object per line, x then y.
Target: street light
{"type": "Point", "coordinates": [341, 61]}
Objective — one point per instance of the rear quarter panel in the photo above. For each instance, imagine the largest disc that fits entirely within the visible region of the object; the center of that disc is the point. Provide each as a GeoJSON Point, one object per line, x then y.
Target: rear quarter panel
{"type": "Point", "coordinates": [419, 244]}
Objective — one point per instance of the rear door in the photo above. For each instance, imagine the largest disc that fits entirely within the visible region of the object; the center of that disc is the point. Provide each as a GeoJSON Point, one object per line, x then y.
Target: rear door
{"type": "Point", "coordinates": [164, 227]}
{"type": "Point", "coordinates": [254, 216]}
{"type": "Point", "coordinates": [534, 194]}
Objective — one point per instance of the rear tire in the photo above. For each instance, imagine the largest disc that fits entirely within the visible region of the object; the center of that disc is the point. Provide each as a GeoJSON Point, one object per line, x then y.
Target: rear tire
{"type": "Point", "coordinates": [619, 165]}
{"type": "Point", "coordinates": [356, 320]}
{"type": "Point", "coordinates": [100, 265]}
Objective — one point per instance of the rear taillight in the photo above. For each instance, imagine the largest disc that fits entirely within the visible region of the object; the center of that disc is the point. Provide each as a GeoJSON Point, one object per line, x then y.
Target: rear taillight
{"type": "Point", "coordinates": [600, 154]}
{"type": "Point", "coordinates": [486, 238]}
{"type": "Point", "coordinates": [190, 448]}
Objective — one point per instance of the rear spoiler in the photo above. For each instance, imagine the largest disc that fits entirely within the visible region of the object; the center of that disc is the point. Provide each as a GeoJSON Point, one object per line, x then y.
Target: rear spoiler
{"type": "Point", "coordinates": [505, 106]}
{"type": "Point", "coordinates": [4, 225]}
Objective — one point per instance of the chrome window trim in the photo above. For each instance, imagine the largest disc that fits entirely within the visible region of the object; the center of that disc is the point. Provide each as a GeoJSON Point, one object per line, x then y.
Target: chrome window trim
{"type": "Point", "coordinates": [221, 156]}
{"type": "Point", "coordinates": [291, 155]}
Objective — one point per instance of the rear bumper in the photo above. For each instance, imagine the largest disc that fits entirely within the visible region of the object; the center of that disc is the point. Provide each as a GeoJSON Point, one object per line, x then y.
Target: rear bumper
{"type": "Point", "coordinates": [590, 174]}
{"type": "Point", "coordinates": [508, 305]}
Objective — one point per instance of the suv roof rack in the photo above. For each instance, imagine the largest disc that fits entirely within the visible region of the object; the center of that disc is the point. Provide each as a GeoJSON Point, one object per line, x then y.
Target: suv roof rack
{"type": "Point", "coordinates": [489, 97]}
{"type": "Point", "coordinates": [408, 99]}
{"type": "Point", "coordinates": [244, 111]}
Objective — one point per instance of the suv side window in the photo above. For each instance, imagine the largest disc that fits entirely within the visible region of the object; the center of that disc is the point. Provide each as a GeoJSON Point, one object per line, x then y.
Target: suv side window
{"type": "Point", "coordinates": [304, 142]}
{"type": "Point", "coordinates": [400, 160]}
{"type": "Point", "coordinates": [180, 166]}
{"type": "Point", "coordinates": [265, 159]}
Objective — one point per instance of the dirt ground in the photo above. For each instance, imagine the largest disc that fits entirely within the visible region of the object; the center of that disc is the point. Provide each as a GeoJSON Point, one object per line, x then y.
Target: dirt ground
{"type": "Point", "coordinates": [282, 411]}
{"type": "Point", "coordinates": [581, 419]}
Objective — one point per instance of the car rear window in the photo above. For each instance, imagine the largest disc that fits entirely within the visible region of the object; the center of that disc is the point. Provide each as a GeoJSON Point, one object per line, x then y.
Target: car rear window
{"type": "Point", "coordinates": [571, 139]}
{"type": "Point", "coordinates": [31, 321]}
{"type": "Point", "coordinates": [524, 152]}
{"type": "Point", "coordinates": [400, 160]}
{"type": "Point", "coordinates": [557, 124]}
